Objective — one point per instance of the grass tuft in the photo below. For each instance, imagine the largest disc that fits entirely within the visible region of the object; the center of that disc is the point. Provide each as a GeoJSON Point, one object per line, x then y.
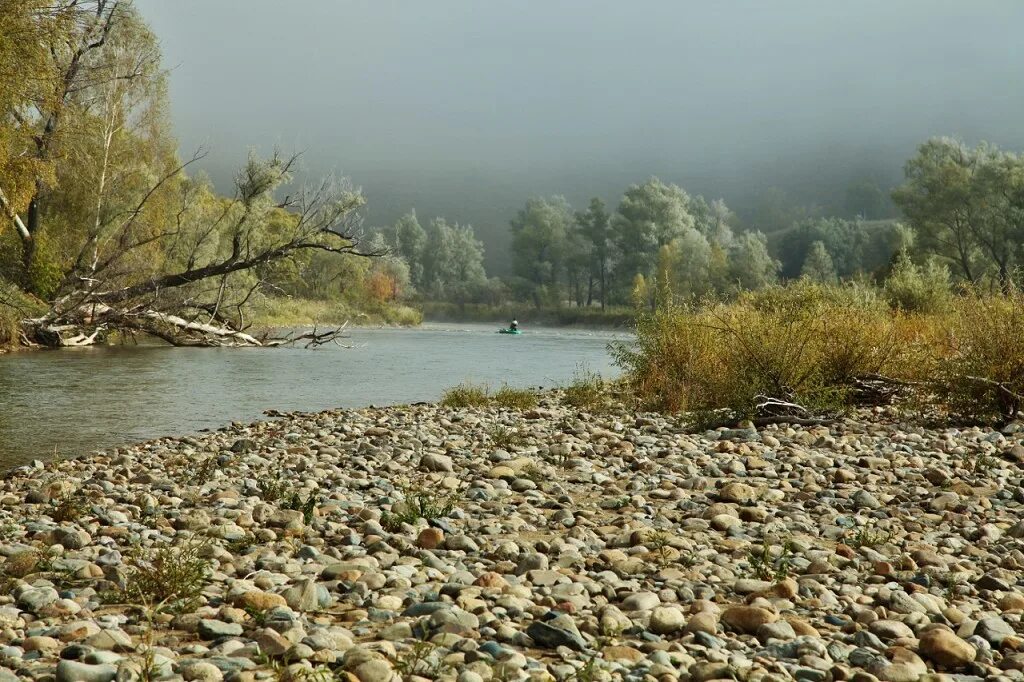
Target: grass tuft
{"type": "Point", "coordinates": [515, 398]}
{"type": "Point", "coordinates": [465, 395]}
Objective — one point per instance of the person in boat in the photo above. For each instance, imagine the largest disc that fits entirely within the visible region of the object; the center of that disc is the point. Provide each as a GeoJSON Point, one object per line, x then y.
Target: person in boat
{"type": "Point", "coordinates": [514, 326]}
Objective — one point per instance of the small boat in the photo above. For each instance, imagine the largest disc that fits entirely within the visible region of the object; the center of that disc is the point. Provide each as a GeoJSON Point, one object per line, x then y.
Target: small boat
{"type": "Point", "coordinates": [509, 331]}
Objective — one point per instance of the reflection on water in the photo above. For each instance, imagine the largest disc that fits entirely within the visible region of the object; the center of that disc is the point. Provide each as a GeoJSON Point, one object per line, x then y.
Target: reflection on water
{"type": "Point", "coordinates": [75, 401]}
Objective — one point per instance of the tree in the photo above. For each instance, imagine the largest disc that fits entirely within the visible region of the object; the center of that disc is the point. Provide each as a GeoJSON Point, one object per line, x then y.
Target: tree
{"type": "Point", "coordinates": [774, 210]}
{"type": "Point", "coordinates": [649, 217]}
{"type": "Point", "coordinates": [215, 255]}
{"type": "Point", "coordinates": [750, 264]}
{"type": "Point", "coordinates": [27, 29]}
{"type": "Point", "coordinates": [594, 225]}
{"type": "Point", "coordinates": [691, 255]}
{"type": "Point", "coordinates": [864, 199]}
{"type": "Point", "coordinates": [81, 61]}
{"type": "Point", "coordinates": [964, 206]}
{"type": "Point", "coordinates": [452, 261]}
{"type": "Point", "coordinates": [110, 230]}
{"type": "Point", "coordinates": [539, 233]}
{"type": "Point", "coordinates": [408, 239]}
{"type": "Point", "coordinates": [818, 265]}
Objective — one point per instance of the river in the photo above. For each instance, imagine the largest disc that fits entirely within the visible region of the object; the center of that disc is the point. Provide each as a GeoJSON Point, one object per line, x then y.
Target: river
{"type": "Point", "coordinates": [69, 402]}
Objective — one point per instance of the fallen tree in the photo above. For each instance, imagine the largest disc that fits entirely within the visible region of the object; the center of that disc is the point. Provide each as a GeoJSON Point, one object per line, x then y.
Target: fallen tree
{"type": "Point", "coordinates": [221, 260]}
{"type": "Point", "coordinates": [104, 226]}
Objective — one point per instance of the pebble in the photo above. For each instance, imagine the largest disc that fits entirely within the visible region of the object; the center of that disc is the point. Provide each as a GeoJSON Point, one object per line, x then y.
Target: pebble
{"type": "Point", "coordinates": [607, 546]}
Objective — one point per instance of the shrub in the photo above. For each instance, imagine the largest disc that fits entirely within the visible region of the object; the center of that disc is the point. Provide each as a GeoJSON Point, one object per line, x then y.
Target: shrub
{"type": "Point", "coordinates": [807, 343]}
{"type": "Point", "coordinates": [914, 288]}
{"type": "Point", "coordinates": [978, 358]}
{"type": "Point", "coordinates": [515, 398]}
{"type": "Point", "coordinates": [466, 395]}
{"type": "Point", "coordinates": [15, 306]}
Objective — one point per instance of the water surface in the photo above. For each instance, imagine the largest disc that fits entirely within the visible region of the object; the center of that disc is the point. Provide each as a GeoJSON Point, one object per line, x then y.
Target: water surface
{"type": "Point", "coordinates": [70, 402]}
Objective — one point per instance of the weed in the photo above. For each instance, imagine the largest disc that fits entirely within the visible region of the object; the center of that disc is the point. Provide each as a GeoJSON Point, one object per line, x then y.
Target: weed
{"type": "Point", "coordinates": [70, 508]}
{"type": "Point", "coordinates": [167, 576]}
{"type": "Point", "coordinates": [272, 486]}
{"type": "Point", "coordinates": [978, 463]}
{"type": "Point", "coordinates": [22, 564]}
{"type": "Point", "coordinates": [587, 390]}
{"type": "Point", "coordinates": [307, 506]}
{"type": "Point", "coordinates": [284, 671]}
{"type": "Point", "coordinates": [953, 585]}
{"type": "Point", "coordinates": [515, 398]}
{"type": "Point", "coordinates": [534, 473]}
{"type": "Point", "coordinates": [661, 544]}
{"type": "Point", "coordinates": [241, 545]}
{"type": "Point", "coordinates": [465, 395]}
{"type": "Point", "coordinates": [868, 537]}
{"type": "Point", "coordinates": [505, 438]}
{"type": "Point", "coordinates": [258, 616]}
{"type": "Point", "coordinates": [420, 660]}
{"type": "Point", "coordinates": [766, 566]}
{"type": "Point", "coordinates": [203, 470]}
{"type": "Point", "coordinates": [418, 503]}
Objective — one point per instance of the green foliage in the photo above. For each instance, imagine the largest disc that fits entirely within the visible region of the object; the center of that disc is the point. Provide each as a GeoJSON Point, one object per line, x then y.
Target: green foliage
{"type": "Point", "coordinates": [965, 205]}
{"type": "Point", "coordinates": [71, 507]}
{"type": "Point", "coordinates": [466, 395]}
{"type": "Point", "coordinates": [539, 246]}
{"type": "Point", "coordinates": [978, 358]}
{"type": "Point", "coordinates": [612, 316]}
{"type": "Point", "coordinates": [274, 487]}
{"type": "Point", "coordinates": [419, 503]}
{"type": "Point", "coordinates": [167, 576]}
{"type": "Point", "coordinates": [419, 661]}
{"type": "Point", "coordinates": [514, 398]}
{"type": "Point", "coordinates": [867, 537]}
{"type": "Point", "coordinates": [804, 343]}
{"type": "Point", "coordinates": [504, 438]}
{"type": "Point", "coordinates": [818, 266]}
{"type": "Point", "coordinates": [771, 562]}
{"type": "Point", "coordinates": [854, 246]}
{"type": "Point", "coordinates": [919, 289]}
{"type": "Point", "coordinates": [307, 506]}
{"type": "Point", "coordinates": [279, 311]}
{"type": "Point", "coordinates": [474, 395]}
{"type": "Point", "coordinates": [587, 390]}
{"type": "Point", "coordinates": [14, 307]}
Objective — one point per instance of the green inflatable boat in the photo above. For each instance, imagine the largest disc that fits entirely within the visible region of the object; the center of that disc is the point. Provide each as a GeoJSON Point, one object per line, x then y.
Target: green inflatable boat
{"type": "Point", "coordinates": [509, 331]}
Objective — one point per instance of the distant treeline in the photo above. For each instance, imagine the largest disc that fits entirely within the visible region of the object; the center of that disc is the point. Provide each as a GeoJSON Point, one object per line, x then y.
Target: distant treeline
{"type": "Point", "coordinates": [962, 211]}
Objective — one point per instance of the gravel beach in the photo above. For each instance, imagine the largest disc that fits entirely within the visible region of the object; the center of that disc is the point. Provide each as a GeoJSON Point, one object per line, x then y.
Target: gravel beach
{"type": "Point", "coordinates": [423, 542]}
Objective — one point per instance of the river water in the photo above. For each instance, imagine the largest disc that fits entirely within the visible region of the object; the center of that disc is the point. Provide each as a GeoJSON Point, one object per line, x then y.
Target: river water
{"type": "Point", "coordinates": [68, 402]}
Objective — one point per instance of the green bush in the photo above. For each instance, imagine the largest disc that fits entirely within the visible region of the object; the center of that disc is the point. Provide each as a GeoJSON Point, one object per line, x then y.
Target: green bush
{"type": "Point", "coordinates": [919, 289]}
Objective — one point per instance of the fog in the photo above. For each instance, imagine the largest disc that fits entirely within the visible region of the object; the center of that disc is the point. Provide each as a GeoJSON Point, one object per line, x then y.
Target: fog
{"type": "Point", "coordinates": [465, 108]}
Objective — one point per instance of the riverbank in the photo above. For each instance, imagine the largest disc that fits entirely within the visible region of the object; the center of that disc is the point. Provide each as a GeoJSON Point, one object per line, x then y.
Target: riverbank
{"type": "Point", "coordinates": [278, 311]}
{"type": "Point", "coordinates": [527, 315]}
{"type": "Point", "coordinates": [424, 542]}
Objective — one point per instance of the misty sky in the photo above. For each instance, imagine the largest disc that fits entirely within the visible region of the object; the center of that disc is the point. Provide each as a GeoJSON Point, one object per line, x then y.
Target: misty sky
{"type": "Point", "coordinates": [465, 108]}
